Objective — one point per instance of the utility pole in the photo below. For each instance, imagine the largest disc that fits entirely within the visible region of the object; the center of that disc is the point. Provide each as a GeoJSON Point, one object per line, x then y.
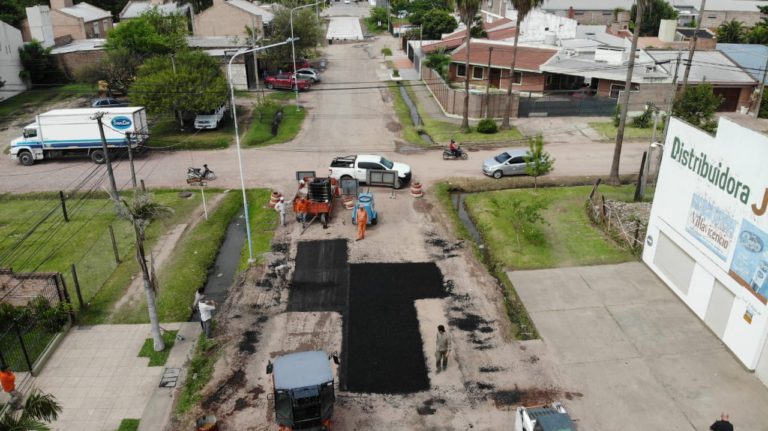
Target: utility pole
{"type": "Point", "coordinates": [488, 86]}
{"type": "Point", "coordinates": [673, 95]}
{"type": "Point", "coordinates": [130, 158]}
{"type": "Point", "coordinates": [761, 88]}
{"type": "Point", "coordinates": [253, 45]}
{"type": "Point", "coordinates": [113, 187]}
{"type": "Point", "coordinates": [692, 48]}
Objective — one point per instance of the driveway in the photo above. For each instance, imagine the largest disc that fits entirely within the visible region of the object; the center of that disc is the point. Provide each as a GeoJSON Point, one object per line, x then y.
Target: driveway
{"type": "Point", "coordinates": [638, 355]}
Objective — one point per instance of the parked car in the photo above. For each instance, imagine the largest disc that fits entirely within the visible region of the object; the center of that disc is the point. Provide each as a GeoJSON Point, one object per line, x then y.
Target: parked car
{"type": "Point", "coordinates": [309, 73]}
{"type": "Point", "coordinates": [287, 81]}
{"type": "Point", "coordinates": [302, 63]}
{"type": "Point", "coordinates": [357, 166]}
{"type": "Point", "coordinates": [107, 102]}
{"type": "Point", "coordinates": [509, 162]}
{"type": "Point", "coordinates": [210, 119]}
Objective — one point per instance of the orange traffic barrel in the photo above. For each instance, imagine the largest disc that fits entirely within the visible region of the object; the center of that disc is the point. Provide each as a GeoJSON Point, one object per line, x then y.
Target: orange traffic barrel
{"type": "Point", "coordinates": [416, 190]}
{"type": "Point", "coordinates": [274, 199]}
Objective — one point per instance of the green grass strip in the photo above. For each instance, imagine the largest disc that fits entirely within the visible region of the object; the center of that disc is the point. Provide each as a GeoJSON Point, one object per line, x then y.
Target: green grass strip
{"type": "Point", "coordinates": [129, 425]}
{"type": "Point", "coordinates": [260, 132]}
{"type": "Point", "coordinates": [199, 373]}
{"type": "Point", "coordinates": [157, 359]}
{"type": "Point", "coordinates": [264, 221]}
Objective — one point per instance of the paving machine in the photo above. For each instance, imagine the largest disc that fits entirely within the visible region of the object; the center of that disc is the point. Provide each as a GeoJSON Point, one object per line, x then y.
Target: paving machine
{"type": "Point", "coordinates": [303, 391]}
{"type": "Point", "coordinates": [365, 200]}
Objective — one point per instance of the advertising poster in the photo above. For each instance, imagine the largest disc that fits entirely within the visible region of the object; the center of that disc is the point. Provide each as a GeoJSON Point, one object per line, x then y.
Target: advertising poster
{"type": "Point", "coordinates": [749, 266]}
{"type": "Point", "coordinates": [711, 226]}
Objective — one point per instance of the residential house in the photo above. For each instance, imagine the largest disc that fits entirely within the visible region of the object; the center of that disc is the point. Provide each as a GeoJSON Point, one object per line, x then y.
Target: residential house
{"type": "Point", "coordinates": [590, 12]}
{"type": "Point", "coordinates": [671, 36]}
{"type": "Point", "coordinates": [10, 63]}
{"type": "Point", "coordinates": [751, 58]}
{"type": "Point", "coordinates": [73, 21]}
{"type": "Point", "coordinates": [134, 9]}
{"type": "Point", "coordinates": [717, 12]}
{"type": "Point", "coordinates": [528, 75]}
{"type": "Point", "coordinates": [231, 17]}
{"type": "Point", "coordinates": [38, 26]}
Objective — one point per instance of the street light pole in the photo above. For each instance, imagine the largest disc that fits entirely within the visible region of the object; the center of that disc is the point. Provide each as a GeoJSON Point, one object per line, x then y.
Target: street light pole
{"type": "Point", "coordinates": [293, 51]}
{"type": "Point", "coordinates": [237, 138]}
{"type": "Point", "coordinates": [647, 167]}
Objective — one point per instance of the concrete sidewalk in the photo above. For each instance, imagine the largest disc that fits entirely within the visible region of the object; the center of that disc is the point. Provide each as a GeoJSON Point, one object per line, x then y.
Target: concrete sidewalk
{"type": "Point", "coordinates": [99, 380]}
{"type": "Point", "coordinates": [640, 358]}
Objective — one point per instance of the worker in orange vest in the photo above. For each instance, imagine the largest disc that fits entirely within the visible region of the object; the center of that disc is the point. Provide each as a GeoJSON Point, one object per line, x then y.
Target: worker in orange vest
{"type": "Point", "coordinates": [301, 210]}
{"type": "Point", "coordinates": [8, 381]}
{"type": "Point", "coordinates": [362, 222]}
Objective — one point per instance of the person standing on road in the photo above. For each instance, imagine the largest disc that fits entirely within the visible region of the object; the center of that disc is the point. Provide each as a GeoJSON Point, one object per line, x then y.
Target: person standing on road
{"type": "Point", "coordinates": [206, 307]}
{"type": "Point", "coordinates": [301, 210]}
{"type": "Point", "coordinates": [442, 348]}
{"type": "Point", "coordinates": [723, 424]}
{"type": "Point", "coordinates": [362, 222]}
{"type": "Point", "coordinates": [199, 296]}
{"type": "Point", "coordinates": [280, 208]}
{"type": "Point", "coordinates": [8, 381]}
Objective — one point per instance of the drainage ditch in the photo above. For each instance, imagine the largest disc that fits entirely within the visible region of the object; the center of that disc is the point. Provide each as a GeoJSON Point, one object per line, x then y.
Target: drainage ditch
{"type": "Point", "coordinates": [222, 275]}
{"type": "Point", "coordinates": [415, 117]}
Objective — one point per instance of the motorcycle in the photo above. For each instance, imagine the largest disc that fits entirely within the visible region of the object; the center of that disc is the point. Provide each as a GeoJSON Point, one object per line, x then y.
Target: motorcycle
{"type": "Point", "coordinates": [200, 174]}
{"type": "Point", "coordinates": [449, 155]}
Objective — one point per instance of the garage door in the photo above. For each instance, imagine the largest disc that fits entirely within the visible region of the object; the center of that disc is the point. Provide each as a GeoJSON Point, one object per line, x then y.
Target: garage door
{"type": "Point", "coordinates": [731, 99]}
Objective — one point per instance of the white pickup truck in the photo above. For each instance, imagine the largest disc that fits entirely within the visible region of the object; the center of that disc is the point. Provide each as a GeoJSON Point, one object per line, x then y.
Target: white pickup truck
{"type": "Point", "coordinates": [551, 417]}
{"type": "Point", "coordinates": [357, 167]}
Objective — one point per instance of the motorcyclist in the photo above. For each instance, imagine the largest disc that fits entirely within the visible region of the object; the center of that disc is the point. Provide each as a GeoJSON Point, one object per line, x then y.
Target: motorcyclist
{"type": "Point", "coordinates": [205, 171]}
{"type": "Point", "coordinates": [454, 149]}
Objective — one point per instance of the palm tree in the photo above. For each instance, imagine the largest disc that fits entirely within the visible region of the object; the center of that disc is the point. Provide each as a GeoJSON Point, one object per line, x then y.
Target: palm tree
{"type": "Point", "coordinates": [523, 8]}
{"type": "Point", "coordinates": [38, 411]}
{"type": "Point", "coordinates": [614, 175]}
{"type": "Point", "coordinates": [140, 212]}
{"type": "Point", "coordinates": [467, 11]}
{"type": "Point", "coordinates": [731, 32]}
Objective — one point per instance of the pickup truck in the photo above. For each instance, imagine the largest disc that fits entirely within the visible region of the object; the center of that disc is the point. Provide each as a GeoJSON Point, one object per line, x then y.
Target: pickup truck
{"type": "Point", "coordinates": [357, 167]}
{"type": "Point", "coordinates": [287, 81]}
{"type": "Point", "coordinates": [551, 417]}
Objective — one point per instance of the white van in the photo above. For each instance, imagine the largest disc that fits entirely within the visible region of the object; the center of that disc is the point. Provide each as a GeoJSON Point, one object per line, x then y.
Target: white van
{"type": "Point", "coordinates": [210, 119]}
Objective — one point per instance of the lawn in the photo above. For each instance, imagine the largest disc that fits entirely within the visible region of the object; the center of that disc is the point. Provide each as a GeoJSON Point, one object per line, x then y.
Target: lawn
{"type": "Point", "coordinates": [609, 131]}
{"type": "Point", "coordinates": [166, 134]}
{"type": "Point", "coordinates": [260, 132]}
{"type": "Point", "coordinates": [158, 359]}
{"type": "Point", "coordinates": [84, 241]}
{"type": "Point", "coordinates": [264, 221]}
{"type": "Point", "coordinates": [567, 239]}
{"type": "Point", "coordinates": [196, 252]}
{"type": "Point", "coordinates": [29, 101]}
{"type": "Point", "coordinates": [129, 425]}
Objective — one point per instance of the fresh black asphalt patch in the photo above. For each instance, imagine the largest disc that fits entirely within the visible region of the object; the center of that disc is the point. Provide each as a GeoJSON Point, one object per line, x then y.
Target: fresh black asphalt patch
{"type": "Point", "coordinates": [382, 345]}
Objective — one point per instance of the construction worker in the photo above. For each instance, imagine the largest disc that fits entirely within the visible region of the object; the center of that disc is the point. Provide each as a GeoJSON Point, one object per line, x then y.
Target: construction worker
{"type": "Point", "coordinates": [280, 207]}
{"type": "Point", "coordinates": [362, 222]}
{"type": "Point", "coordinates": [301, 210]}
{"type": "Point", "coordinates": [443, 345]}
{"type": "Point", "coordinates": [8, 381]}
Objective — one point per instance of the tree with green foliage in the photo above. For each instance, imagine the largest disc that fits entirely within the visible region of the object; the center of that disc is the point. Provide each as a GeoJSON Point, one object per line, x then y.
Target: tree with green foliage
{"type": "Point", "coordinates": [439, 62]}
{"type": "Point", "coordinates": [38, 411]}
{"type": "Point", "coordinates": [437, 22]}
{"type": "Point", "coordinates": [523, 8]}
{"type": "Point", "coordinates": [196, 83]}
{"type": "Point", "coordinates": [477, 30]}
{"type": "Point", "coordinates": [697, 105]}
{"type": "Point", "coordinates": [140, 212]}
{"type": "Point", "coordinates": [152, 33]}
{"type": "Point", "coordinates": [118, 67]}
{"type": "Point", "coordinates": [12, 11]}
{"type": "Point", "coordinates": [537, 161]}
{"type": "Point", "coordinates": [653, 12]}
{"type": "Point", "coordinates": [764, 106]}
{"type": "Point", "coordinates": [468, 10]}
{"type": "Point", "coordinates": [39, 66]}
{"type": "Point", "coordinates": [418, 8]}
{"type": "Point", "coordinates": [305, 27]}
{"type": "Point", "coordinates": [378, 17]}
{"type": "Point", "coordinates": [523, 214]}
{"type": "Point", "coordinates": [758, 35]}
{"type": "Point", "coordinates": [731, 32]}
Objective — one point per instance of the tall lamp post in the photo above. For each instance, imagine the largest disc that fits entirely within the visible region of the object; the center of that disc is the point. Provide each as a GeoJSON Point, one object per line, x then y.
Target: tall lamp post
{"type": "Point", "coordinates": [647, 168]}
{"type": "Point", "coordinates": [293, 51]}
{"type": "Point", "coordinates": [237, 136]}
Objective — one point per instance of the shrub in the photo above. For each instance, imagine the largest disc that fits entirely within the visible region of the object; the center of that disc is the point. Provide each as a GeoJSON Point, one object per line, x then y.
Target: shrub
{"type": "Point", "coordinates": [643, 120]}
{"type": "Point", "coordinates": [395, 73]}
{"type": "Point", "coordinates": [617, 116]}
{"type": "Point", "coordinates": [386, 51]}
{"type": "Point", "coordinates": [487, 125]}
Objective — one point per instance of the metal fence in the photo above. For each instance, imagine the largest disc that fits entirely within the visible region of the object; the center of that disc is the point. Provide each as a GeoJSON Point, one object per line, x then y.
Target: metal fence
{"type": "Point", "coordinates": [565, 104]}
{"type": "Point", "coordinates": [627, 232]}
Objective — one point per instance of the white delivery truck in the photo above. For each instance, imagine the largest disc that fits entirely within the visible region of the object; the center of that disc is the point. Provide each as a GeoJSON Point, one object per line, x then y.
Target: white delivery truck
{"type": "Point", "coordinates": [75, 132]}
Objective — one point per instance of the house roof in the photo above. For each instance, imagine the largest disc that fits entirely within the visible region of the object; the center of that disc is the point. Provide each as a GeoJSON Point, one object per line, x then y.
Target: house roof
{"type": "Point", "coordinates": [133, 9]}
{"type": "Point", "coordinates": [719, 5]}
{"type": "Point", "coordinates": [689, 32]}
{"type": "Point", "coordinates": [500, 29]}
{"type": "Point", "coordinates": [80, 45]}
{"type": "Point", "coordinates": [253, 9]}
{"type": "Point", "coordinates": [710, 66]}
{"type": "Point", "coordinates": [751, 58]}
{"type": "Point", "coordinates": [528, 59]}
{"type": "Point", "coordinates": [86, 11]}
{"type": "Point", "coordinates": [590, 5]}
{"type": "Point", "coordinates": [584, 64]}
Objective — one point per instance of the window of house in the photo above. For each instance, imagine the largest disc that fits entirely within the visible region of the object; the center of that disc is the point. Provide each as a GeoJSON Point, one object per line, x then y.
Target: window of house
{"type": "Point", "coordinates": [96, 28]}
{"type": "Point", "coordinates": [477, 72]}
{"type": "Point", "coordinates": [490, 3]}
{"type": "Point", "coordinates": [517, 78]}
{"type": "Point", "coordinates": [578, 13]}
{"type": "Point", "coordinates": [616, 88]}
{"type": "Point", "coordinates": [548, 80]}
{"type": "Point", "coordinates": [607, 13]}
{"type": "Point", "coordinates": [461, 70]}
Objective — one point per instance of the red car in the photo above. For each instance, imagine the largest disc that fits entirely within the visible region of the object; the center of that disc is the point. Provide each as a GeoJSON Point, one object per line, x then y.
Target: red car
{"type": "Point", "coordinates": [287, 81]}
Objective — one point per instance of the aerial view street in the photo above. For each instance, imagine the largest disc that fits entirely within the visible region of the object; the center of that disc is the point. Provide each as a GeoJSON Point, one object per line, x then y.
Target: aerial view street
{"type": "Point", "coordinates": [235, 215]}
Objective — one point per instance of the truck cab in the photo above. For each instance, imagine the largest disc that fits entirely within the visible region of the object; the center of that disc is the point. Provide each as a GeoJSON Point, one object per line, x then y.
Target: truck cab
{"type": "Point", "coordinates": [303, 391]}
{"type": "Point", "coordinates": [28, 146]}
{"type": "Point", "coordinates": [551, 417]}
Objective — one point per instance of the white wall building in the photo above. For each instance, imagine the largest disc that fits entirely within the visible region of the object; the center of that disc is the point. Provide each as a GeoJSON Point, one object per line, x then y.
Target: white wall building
{"type": "Point", "coordinates": [40, 27]}
{"type": "Point", "coordinates": [538, 25]}
{"type": "Point", "coordinates": [708, 233]}
{"type": "Point", "coordinates": [10, 63]}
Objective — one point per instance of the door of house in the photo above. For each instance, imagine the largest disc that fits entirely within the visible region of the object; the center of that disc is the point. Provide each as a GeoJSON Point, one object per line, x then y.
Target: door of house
{"type": "Point", "coordinates": [730, 99]}
{"type": "Point", "coordinates": [494, 79]}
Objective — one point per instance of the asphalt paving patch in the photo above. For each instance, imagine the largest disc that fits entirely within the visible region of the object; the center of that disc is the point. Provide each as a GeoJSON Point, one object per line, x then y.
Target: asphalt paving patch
{"type": "Point", "coordinates": [381, 345]}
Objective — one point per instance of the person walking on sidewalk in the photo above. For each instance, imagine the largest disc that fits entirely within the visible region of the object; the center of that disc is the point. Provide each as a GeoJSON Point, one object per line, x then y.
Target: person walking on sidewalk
{"type": "Point", "coordinates": [442, 348]}
{"type": "Point", "coordinates": [723, 424]}
{"type": "Point", "coordinates": [206, 307]}
{"type": "Point", "coordinates": [8, 381]}
{"type": "Point", "coordinates": [280, 208]}
{"type": "Point", "coordinates": [362, 222]}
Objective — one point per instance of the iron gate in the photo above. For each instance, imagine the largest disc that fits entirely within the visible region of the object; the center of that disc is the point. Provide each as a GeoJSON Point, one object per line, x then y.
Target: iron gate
{"type": "Point", "coordinates": [566, 104]}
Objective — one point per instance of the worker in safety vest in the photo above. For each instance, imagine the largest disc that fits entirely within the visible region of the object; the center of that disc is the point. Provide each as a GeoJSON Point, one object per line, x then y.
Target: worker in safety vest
{"type": "Point", "coordinates": [301, 210]}
{"type": "Point", "coordinates": [362, 222]}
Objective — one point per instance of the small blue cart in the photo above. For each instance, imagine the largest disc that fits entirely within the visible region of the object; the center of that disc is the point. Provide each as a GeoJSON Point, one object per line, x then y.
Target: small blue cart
{"type": "Point", "coordinates": [365, 200]}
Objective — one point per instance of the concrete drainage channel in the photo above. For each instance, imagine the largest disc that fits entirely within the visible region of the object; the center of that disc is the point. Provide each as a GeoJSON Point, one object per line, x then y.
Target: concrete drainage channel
{"type": "Point", "coordinates": [415, 117]}
{"type": "Point", "coordinates": [222, 275]}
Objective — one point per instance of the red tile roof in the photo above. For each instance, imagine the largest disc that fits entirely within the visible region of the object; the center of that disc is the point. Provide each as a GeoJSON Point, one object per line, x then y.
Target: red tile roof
{"type": "Point", "coordinates": [529, 59]}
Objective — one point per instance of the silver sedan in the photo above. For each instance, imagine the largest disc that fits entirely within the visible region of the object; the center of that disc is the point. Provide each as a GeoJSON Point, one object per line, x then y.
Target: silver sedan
{"type": "Point", "coordinates": [509, 162]}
